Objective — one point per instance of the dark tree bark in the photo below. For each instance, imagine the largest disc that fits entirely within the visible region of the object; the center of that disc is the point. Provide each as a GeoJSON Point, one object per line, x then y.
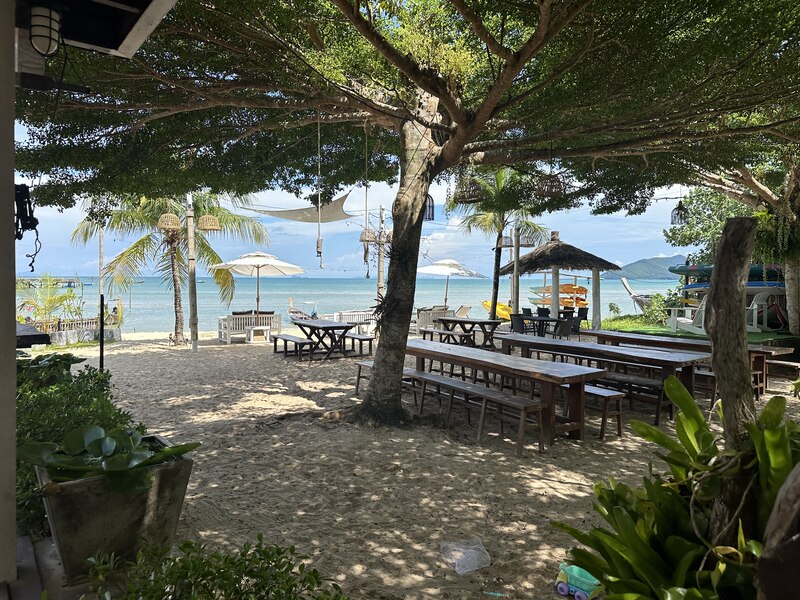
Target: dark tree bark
{"type": "Point", "coordinates": [418, 163]}
{"type": "Point", "coordinates": [777, 568]}
{"type": "Point", "coordinates": [176, 292]}
{"type": "Point", "coordinates": [498, 259]}
{"type": "Point", "coordinates": [725, 323]}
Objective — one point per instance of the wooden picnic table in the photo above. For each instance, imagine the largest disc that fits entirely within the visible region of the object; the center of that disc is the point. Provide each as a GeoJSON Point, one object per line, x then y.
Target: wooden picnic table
{"type": "Point", "coordinates": [326, 335]}
{"type": "Point", "coordinates": [668, 362]}
{"type": "Point", "coordinates": [468, 325]}
{"type": "Point", "coordinates": [758, 352]}
{"type": "Point", "coordinates": [549, 375]}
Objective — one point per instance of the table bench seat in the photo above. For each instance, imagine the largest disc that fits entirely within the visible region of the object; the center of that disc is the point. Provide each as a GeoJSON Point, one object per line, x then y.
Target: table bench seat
{"type": "Point", "coordinates": [299, 344]}
{"type": "Point", "coordinates": [523, 408]}
{"type": "Point", "coordinates": [607, 397]}
{"type": "Point", "coordinates": [447, 336]}
{"type": "Point", "coordinates": [361, 338]}
{"type": "Point", "coordinates": [784, 365]}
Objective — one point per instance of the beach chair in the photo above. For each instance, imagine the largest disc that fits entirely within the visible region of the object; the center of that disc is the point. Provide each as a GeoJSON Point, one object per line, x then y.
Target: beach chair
{"type": "Point", "coordinates": [697, 324]}
{"type": "Point", "coordinates": [463, 311]}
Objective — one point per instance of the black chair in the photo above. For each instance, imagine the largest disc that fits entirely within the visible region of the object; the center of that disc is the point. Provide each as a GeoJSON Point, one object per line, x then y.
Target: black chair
{"type": "Point", "coordinates": [583, 315]}
{"type": "Point", "coordinates": [517, 324]}
{"type": "Point", "coordinates": [563, 328]}
{"type": "Point", "coordinates": [542, 311]}
{"type": "Point", "coordinates": [526, 312]}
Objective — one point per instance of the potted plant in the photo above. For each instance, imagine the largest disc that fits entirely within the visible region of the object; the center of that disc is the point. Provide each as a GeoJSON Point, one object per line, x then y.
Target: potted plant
{"type": "Point", "coordinates": [107, 491]}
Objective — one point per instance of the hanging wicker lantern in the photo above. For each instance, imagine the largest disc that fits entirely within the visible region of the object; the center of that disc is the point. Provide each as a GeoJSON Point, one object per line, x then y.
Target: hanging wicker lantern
{"type": "Point", "coordinates": [680, 214]}
{"type": "Point", "coordinates": [367, 235]}
{"type": "Point", "coordinates": [428, 211]}
{"type": "Point", "coordinates": [208, 223]}
{"type": "Point", "coordinates": [169, 222]}
{"type": "Point", "coordinates": [467, 189]}
{"type": "Point", "coordinates": [550, 186]}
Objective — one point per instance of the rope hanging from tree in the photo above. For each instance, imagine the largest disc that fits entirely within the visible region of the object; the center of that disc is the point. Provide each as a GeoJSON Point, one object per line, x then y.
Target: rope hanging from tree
{"type": "Point", "coordinates": [319, 190]}
{"type": "Point", "coordinates": [366, 196]}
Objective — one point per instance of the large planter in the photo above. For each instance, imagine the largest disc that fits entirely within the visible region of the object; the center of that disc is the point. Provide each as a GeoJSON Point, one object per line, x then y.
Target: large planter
{"type": "Point", "coordinates": [85, 516]}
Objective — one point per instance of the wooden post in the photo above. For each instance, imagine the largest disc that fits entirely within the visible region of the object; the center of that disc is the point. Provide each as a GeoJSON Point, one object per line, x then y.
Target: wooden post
{"type": "Point", "coordinates": [515, 289]}
{"type": "Point", "coordinates": [596, 322]}
{"type": "Point", "coordinates": [8, 337]}
{"type": "Point", "coordinates": [555, 295]}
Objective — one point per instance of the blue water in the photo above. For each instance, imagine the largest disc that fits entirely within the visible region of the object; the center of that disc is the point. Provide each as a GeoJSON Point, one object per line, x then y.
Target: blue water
{"type": "Point", "coordinates": [148, 305]}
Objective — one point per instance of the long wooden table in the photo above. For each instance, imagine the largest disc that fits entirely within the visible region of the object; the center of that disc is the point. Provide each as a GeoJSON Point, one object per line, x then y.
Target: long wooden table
{"type": "Point", "coordinates": [668, 362]}
{"type": "Point", "coordinates": [758, 352]}
{"type": "Point", "coordinates": [468, 325]}
{"type": "Point", "coordinates": [549, 375]}
{"type": "Point", "coordinates": [325, 335]}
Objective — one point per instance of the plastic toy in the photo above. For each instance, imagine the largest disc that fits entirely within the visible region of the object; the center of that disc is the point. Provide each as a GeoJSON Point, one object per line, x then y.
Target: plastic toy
{"type": "Point", "coordinates": [572, 580]}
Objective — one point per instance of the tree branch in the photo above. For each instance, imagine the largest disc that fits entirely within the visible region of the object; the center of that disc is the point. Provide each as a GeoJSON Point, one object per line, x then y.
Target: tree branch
{"type": "Point", "coordinates": [479, 29]}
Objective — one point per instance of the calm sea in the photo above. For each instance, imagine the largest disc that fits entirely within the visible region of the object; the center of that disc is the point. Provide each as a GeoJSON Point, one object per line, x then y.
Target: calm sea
{"type": "Point", "coordinates": [148, 305]}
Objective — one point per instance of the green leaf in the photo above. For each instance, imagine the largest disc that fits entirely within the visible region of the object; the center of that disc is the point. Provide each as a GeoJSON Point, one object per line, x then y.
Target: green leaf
{"type": "Point", "coordinates": [681, 397]}
{"type": "Point", "coordinates": [37, 453]}
{"type": "Point", "coordinates": [102, 446]}
{"type": "Point", "coordinates": [772, 414]}
{"type": "Point", "coordinates": [653, 434]}
{"type": "Point", "coordinates": [127, 439]}
{"type": "Point", "coordinates": [77, 440]}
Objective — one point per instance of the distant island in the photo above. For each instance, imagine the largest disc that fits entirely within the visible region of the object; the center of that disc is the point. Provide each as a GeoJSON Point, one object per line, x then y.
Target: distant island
{"type": "Point", "coordinates": [648, 268]}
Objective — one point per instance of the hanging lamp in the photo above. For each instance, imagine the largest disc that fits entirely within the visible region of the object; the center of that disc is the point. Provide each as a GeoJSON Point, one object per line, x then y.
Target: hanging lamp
{"type": "Point", "coordinates": [208, 223]}
{"type": "Point", "coordinates": [169, 222]}
{"type": "Point", "coordinates": [550, 185]}
{"type": "Point", "coordinates": [680, 214]}
{"type": "Point", "coordinates": [428, 209]}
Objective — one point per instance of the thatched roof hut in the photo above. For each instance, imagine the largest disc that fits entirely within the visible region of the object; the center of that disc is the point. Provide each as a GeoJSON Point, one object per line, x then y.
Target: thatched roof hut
{"type": "Point", "coordinates": [556, 255]}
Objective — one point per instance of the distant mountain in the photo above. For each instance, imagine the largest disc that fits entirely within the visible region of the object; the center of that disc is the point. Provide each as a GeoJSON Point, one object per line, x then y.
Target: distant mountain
{"type": "Point", "coordinates": [648, 268]}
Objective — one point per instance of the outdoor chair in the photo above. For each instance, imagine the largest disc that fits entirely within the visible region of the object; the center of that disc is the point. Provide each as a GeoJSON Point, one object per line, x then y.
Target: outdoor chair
{"type": "Point", "coordinates": [518, 324]}
{"type": "Point", "coordinates": [463, 311]}
{"type": "Point", "coordinates": [542, 311]}
{"type": "Point", "coordinates": [527, 312]}
{"type": "Point", "coordinates": [563, 328]}
{"type": "Point", "coordinates": [583, 314]}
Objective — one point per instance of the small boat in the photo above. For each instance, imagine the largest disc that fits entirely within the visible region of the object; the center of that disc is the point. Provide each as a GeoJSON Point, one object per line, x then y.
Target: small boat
{"type": "Point", "coordinates": [773, 272]}
{"type": "Point", "coordinates": [565, 288]}
{"type": "Point", "coordinates": [641, 300]}
{"type": "Point", "coordinates": [503, 311]}
{"type": "Point", "coordinates": [562, 301]}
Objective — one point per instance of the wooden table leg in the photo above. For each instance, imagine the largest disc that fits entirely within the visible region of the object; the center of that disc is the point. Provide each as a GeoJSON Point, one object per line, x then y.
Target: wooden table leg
{"type": "Point", "coordinates": [549, 416]}
{"type": "Point", "coordinates": [576, 409]}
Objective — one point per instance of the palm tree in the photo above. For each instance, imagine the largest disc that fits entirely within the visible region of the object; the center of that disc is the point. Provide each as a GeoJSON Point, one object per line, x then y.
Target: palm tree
{"type": "Point", "coordinates": [167, 249]}
{"type": "Point", "coordinates": [496, 205]}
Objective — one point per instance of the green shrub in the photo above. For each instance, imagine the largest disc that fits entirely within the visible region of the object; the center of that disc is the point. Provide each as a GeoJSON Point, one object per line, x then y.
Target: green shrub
{"type": "Point", "coordinates": [614, 309]}
{"type": "Point", "coordinates": [656, 312]}
{"type": "Point", "coordinates": [48, 413]}
{"type": "Point", "coordinates": [656, 546]}
{"type": "Point", "coordinates": [45, 370]}
{"type": "Point", "coordinates": [259, 571]}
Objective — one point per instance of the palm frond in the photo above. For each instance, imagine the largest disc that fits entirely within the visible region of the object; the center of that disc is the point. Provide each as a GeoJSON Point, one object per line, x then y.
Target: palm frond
{"type": "Point", "coordinates": [130, 263]}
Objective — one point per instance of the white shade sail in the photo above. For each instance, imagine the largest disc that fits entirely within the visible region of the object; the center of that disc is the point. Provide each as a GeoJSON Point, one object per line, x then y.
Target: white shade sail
{"type": "Point", "coordinates": [449, 268]}
{"type": "Point", "coordinates": [333, 211]}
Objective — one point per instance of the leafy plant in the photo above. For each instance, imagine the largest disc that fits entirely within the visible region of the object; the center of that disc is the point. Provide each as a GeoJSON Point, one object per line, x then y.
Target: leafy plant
{"type": "Point", "coordinates": [658, 544]}
{"type": "Point", "coordinates": [45, 300]}
{"type": "Point", "coordinates": [656, 312]}
{"type": "Point", "coordinates": [48, 413]}
{"type": "Point", "coordinates": [88, 451]}
{"type": "Point", "coordinates": [614, 309]}
{"type": "Point", "coordinates": [257, 571]}
{"type": "Point", "coordinates": [45, 370]}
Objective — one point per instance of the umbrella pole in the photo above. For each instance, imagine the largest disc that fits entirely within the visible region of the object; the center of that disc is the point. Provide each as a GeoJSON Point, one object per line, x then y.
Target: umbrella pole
{"type": "Point", "coordinates": [258, 293]}
{"type": "Point", "coordinates": [446, 285]}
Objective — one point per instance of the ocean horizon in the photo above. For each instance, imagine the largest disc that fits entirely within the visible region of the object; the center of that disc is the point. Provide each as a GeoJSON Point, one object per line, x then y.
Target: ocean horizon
{"type": "Point", "coordinates": [148, 305]}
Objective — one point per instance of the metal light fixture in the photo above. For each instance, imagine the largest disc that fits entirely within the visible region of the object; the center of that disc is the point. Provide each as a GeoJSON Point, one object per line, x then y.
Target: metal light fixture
{"type": "Point", "coordinates": [427, 211]}
{"type": "Point", "coordinates": [550, 185]}
{"type": "Point", "coordinates": [467, 189]}
{"type": "Point", "coordinates": [45, 28]}
{"type": "Point", "coordinates": [680, 214]}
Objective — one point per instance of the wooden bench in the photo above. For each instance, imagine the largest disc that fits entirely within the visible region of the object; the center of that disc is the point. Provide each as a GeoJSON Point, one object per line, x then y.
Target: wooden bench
{"type": "Point", "coordinates": [524, 408]}
{"type": "Point", "coordinates": [463, 338]}
{"type": "Point", "coordinates": [299, 344]}
{"type": "Point", "coordinates": [368, 364]}
{"type": "Point", "coordinates": [361, 338]}
{"type": "Point", "coordinates": [607, 397]}
{"type": "Point", "coordinates": [785, 365]}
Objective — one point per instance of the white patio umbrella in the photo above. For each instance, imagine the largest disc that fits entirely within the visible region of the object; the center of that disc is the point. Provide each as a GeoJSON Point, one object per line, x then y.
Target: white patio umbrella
{"type": "Point", "coordinates": [258, 264]}
{"type": "Point", "coordinates": [449, 268]}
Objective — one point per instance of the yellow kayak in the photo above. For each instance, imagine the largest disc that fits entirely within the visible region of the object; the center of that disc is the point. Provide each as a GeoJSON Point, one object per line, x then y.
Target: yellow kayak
{"type": "Point", "coordinates": [503, 310]}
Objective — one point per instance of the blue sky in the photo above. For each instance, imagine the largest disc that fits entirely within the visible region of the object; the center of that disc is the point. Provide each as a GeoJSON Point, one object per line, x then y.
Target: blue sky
{"type": "Point", "coordinates": [617, 237]}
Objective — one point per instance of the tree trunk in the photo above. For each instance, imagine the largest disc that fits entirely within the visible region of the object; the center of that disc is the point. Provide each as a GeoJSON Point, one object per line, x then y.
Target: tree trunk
{"type": "Point", "coordinates": [176, 292]}
{"type": "Point", "coordinates": [725, 323]}
{"type": "Point", "coordinates": [382, 404]}
{"type": "Point", "coordinates": [498, 260]}
{"type": "Point", "coordinates": [791, 270]}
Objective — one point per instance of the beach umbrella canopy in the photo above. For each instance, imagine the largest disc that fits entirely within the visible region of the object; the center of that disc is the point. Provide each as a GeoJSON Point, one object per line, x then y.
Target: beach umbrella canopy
{"type": "Point", "coordinates": [449, 268]}
{"type": "Point", "coordinates": [258, 264]}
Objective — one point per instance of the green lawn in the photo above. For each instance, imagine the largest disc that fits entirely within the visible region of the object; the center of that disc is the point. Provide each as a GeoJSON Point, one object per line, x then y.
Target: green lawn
{"type": "Point", "coordinates": [637, 324]}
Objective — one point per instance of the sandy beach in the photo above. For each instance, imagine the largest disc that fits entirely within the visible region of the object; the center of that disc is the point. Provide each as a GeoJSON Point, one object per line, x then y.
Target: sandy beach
{"type": "Point", "coordinates": [370, 507]}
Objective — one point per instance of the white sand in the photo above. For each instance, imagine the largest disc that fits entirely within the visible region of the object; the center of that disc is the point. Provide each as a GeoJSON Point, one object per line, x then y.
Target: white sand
{"type": "Point", "coordinates": [369, 506]}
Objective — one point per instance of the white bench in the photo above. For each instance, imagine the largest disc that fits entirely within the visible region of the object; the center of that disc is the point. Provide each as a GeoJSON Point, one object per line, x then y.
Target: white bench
{"type": "Point", "coordinates": [230, 326]}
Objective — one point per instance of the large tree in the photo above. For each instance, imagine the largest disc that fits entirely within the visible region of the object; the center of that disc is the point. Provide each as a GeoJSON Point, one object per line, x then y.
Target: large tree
{"type": "Point", "coordinates": [619, 96]}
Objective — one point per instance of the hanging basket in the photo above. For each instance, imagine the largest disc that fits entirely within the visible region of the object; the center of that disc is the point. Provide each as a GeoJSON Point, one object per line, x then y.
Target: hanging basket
{"type": "Point", "coordinates": [680, 214]}
{"type": "Point", "coordinates": [368, 235]}
{"type": "Point", "coordinates": [467, 190]}
{"type": "Point", "coordinates": [550, 186]}
{"type": "Point", "coordinates": [208, 223]}
{"type": "Point", "coordinates": [169, 222]}
{"type": "Point", "coordinates": [428, 210]}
